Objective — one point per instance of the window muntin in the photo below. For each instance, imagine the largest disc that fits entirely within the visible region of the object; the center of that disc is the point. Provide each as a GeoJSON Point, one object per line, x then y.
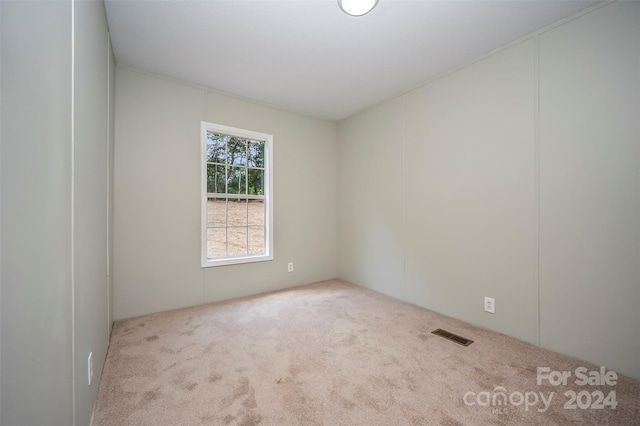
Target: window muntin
{"type": "Point", "coordinates": [236, 196]}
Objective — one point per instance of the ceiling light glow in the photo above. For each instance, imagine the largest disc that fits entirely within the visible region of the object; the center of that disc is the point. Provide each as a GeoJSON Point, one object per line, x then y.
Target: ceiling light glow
{"type": "Point", "coordinates": [357, 7]}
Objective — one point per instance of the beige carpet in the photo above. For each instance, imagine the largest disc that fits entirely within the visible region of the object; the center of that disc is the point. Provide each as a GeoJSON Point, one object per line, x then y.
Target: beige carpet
{"type": "Point", "coordinates": [336, 354]}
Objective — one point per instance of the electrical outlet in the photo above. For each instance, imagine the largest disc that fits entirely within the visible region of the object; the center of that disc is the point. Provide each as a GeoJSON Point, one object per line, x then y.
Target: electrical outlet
{"type": "Point", "coordinates": [290, 267]}
{"type": "Point", "coordinates": [490, 305]}
{"type": "Point", "coordinates": [90, 367]}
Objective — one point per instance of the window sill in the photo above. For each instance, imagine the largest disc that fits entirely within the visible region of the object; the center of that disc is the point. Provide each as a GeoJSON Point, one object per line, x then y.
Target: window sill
{"type": "Point", "coordinates": [209, 263]}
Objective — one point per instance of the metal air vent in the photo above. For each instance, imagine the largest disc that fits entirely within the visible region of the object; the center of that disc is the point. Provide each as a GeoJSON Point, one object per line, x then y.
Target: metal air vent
{"type": "Point", "coordinates": [453, 337]}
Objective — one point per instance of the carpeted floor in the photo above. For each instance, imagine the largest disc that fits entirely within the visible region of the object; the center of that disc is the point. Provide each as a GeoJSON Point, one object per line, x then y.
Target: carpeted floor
{"type": "Point", "coordinates": [336, 354]}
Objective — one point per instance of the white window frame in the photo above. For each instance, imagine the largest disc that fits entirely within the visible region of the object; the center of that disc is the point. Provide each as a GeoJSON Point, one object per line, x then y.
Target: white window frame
{"type": "Point", "coordinates": [268, 195]}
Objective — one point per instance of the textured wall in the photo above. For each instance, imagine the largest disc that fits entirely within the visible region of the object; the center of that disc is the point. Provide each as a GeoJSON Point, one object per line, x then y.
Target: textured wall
{"type": "Point", "coordinates": [157, 197]}
{"type": "Point", "coordinates": [36, 175]}
{"type": "Point", "coordinates": [515, 177]}
{"type": "Point", "coordinates": [55, 172]}
{"type": "Point", "coordinates": [589, 174]}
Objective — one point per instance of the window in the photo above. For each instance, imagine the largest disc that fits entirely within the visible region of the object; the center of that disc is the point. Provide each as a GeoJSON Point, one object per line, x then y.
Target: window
{"type": "Point", "coordinates": [236, 195]}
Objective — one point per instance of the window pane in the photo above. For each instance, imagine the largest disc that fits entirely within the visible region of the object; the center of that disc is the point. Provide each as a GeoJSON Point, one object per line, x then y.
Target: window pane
{"type": "Point", "coordinates": [216, 147]}
{"type": "Point", "coordinates": [256, 240]}
{"type": "Point", "coordinates": [256, 181]}
{"type": "Point", "coordinates": [237, 151]}
{"type": "Point", "coordinates": [256, 212]}
{"type": "Point", "coordinates": [237, 241]}
{"type": "Point", "coordinates": [256, 154]}
{"type": "Point", "coordinates": [235, 195]}
{"type": "Point", "coordinates": [237, 180]}
{"type": "Point", "coordinates": [216, 242]}
{"type": "Point", "coordinates": [215, 179]}
{"type": "Point", "coordinates": [216, 213]}
{"type": "Point", "coordinates": [237, 212]}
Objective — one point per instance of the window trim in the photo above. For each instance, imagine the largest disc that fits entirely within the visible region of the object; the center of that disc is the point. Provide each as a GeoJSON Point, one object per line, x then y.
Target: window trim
{"type": "Point", "coordinates": [206, 262]}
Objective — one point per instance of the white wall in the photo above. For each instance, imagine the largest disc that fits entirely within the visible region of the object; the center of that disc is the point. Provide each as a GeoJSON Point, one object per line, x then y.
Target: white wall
{"type": "Point", "coordinates": [90, 201]}
{"type": "Point", "coordinates": [589, 201]}
{"type": "Point", "coordinates": [469, 203]}
{"type": "Point", "coordinates": [36, 257]}
{"type": "Point", "coordinates": [54, 194]}
{"type": "Point", "coordinates": [370, 195]}
{"type": "Point", "coordinates": [157, 196]}
{"type": "Point", "coordinates": [515, 177]}
{"type": "Point", "coordinates": [110, 171]}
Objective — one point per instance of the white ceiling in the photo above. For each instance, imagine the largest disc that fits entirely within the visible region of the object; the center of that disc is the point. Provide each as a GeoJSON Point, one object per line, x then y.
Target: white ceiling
{"type": "Point", "coordinates": [309, 56]}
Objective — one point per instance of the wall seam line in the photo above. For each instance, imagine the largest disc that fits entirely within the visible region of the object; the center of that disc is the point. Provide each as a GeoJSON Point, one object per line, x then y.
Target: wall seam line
{"type": "Point", "coordinates": [536, 171]}
{"type": "Point", "coordinates": [206, 118]}
{"type": "Point", "coordinates": [403, 200]}
{"type": "Point", "coordinates": [0, 219]}
{"type": "Point", "coordinates": [109, 277]}
{"type": "Point", "coordinates": [638, 130]}
{"type": "Point", "coordinates": [73, 278]}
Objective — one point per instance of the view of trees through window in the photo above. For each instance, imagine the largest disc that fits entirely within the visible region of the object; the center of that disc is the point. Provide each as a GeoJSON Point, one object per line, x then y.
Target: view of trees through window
{"type": "Point", "coordinates": [235, 196]}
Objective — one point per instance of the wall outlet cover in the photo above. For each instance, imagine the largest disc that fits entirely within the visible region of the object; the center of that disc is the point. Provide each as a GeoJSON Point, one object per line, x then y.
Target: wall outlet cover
{"type": "Point", "coordinates": [90, 367]}
{"type": "Point", "coordinates": [490, 305]}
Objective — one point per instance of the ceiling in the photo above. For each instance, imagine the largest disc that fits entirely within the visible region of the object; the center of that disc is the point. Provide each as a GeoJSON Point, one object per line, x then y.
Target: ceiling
{"type": "Point", "coordinates": [310, 57]}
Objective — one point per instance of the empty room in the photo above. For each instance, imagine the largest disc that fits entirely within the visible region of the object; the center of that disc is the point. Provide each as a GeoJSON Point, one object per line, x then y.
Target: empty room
{"type": "Point", "coordinates": [319, 212]}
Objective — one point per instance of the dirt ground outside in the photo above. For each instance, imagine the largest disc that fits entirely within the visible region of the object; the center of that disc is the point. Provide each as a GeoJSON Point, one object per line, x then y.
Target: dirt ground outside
{"type": "Point", "coordinates": [235, 227]}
